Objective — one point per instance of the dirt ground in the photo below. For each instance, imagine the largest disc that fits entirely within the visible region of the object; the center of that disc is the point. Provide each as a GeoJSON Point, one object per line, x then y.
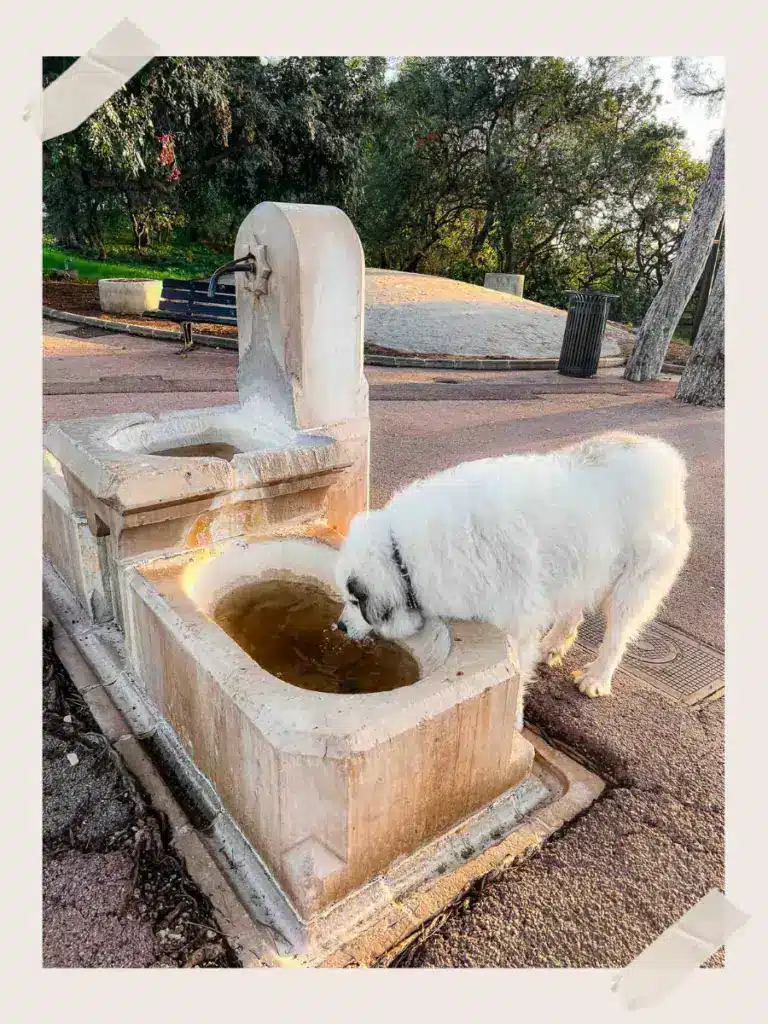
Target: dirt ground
{"type": "Point", "coordinates": [114, 894]}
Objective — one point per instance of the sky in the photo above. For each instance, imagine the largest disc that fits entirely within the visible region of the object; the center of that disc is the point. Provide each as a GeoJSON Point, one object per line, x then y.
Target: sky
{"type": "Point", "coordinates": [700, 126]}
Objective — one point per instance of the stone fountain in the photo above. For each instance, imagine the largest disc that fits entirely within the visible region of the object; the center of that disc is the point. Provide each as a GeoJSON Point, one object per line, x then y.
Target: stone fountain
{"type": "Point", "coordinates": [339, 819]}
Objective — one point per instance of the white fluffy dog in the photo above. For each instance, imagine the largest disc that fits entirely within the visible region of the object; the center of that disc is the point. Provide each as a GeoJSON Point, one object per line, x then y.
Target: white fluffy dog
{"type": "Point", "coordinates": [527, 543]}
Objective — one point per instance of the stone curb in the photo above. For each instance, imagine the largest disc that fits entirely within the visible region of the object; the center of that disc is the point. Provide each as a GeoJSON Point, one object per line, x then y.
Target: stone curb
{"type": "Point", "coordinates": [251, 943]}
{"type": "Point", "coordinates": [371, 359]}
{"type": "Point", "coordinates": [205, 340]}
{"type": "Point", "coordinates": [436, 363]}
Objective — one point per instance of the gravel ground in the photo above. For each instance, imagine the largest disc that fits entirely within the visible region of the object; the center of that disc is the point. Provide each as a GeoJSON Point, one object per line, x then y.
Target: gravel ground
{"type": "Point", "coordinates": [114, 893]}
{"type": "Point", "coordinates": [417, 313]}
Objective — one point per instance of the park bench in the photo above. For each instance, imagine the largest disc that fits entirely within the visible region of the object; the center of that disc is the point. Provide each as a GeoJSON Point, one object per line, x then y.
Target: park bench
{"type": "Point", "coordinates": [188, 302]}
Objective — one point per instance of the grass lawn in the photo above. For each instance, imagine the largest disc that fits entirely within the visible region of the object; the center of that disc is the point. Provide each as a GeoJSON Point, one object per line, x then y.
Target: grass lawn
{"type": "Point", "coordinates": [188, 262]}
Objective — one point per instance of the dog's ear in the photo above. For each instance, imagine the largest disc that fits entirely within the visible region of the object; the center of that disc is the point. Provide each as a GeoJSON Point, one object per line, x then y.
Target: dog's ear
{"type": "Point", "coordinates": [360, 593]}
{"type": "Point", "coordinates": [372, 611]}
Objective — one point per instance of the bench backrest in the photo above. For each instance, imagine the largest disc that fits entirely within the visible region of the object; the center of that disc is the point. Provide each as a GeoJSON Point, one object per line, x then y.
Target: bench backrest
{"type": "Point", "coordinates": [188, 300]}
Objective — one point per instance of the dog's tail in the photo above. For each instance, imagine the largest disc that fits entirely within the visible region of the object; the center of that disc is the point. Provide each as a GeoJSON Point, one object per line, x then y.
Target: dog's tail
{"type": "Point", "coordinates": [663, 475]}
{"type": "Point", "coordinates": [652, 469]}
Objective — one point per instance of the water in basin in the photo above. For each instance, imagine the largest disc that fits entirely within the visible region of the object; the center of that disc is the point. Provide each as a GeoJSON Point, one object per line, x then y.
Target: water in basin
{"type": "Point", "coordinates": [210, 450]}
{"type": "Point", "coordinates": [287, 626]}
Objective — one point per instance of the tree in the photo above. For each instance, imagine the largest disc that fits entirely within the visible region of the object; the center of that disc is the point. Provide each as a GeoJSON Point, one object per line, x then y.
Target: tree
{"type": "Point", "coordinates": [626, 244]}
{"type": "Point", "coordinates": [550, 167]}
{"type": "Point", "coordinates": [703, 380]}
{"type": "Point", "coordinates": [697, 81]}
{"type": "Point", "coordinates": [125, 161]}
{"type": "Point", "coordinates": [198, 141]}
{"type": "Point", "coordinates": [668, 305]}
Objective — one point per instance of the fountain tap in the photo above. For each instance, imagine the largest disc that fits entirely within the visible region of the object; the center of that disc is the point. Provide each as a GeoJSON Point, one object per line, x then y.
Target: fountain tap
{"type": "Point", "coordinates": [247, 263]}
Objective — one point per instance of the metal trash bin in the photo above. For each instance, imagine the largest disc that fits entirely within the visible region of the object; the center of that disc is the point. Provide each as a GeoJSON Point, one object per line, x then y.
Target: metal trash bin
{"type": "Point", "coordinates": [584, 329]}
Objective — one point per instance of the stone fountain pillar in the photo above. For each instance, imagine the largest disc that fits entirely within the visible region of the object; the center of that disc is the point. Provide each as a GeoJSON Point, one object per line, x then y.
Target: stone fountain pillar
{"type": "Point", "coordinates": [301, 426]}
{"type": "Point", "coordinates": [301, 331]}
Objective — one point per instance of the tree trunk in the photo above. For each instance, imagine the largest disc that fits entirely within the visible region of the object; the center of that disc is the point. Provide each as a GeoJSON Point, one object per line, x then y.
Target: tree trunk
{"type": "Point", "coordinates": [480, 236]}
{"type": "Point", "coordinates": [703, 380]}
{"type": "Point", "coordinates": [412, 265]}
{"type": "Point", "coordinates": [670, 301]}
{"type": "Point", "coordinates": [706, 280]}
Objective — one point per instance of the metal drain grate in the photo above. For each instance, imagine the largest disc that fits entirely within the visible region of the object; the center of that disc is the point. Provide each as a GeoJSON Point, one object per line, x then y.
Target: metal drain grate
{"type": "Point", "coordinates": [87, 331]}
{"type": "Point", "coordinates": [665, 658]}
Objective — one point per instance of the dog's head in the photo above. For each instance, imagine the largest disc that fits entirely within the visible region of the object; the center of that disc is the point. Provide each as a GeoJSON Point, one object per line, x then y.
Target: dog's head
{"type": "Point", "coordinates": [375, 583]}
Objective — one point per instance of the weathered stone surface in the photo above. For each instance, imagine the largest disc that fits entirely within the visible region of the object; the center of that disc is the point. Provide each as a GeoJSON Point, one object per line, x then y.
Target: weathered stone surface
{"type": "Point", "coordinates": [123, 295]}
{"type": "Point", "coordinates": [301, 429]}
{"type": "Point", "coordinates": [336, 800]}
{"type": "Point", "coordinates": [512, 283]}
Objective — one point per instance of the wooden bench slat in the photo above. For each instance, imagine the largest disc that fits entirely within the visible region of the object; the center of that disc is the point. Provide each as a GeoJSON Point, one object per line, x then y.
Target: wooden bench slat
{"type": "Point", "coordinates": [229, 297]}
{"type": "Point", "coordinates": [184, 285]}
{"type": "Point", "coordinates": [209, 306]}
{"type": "Point", "coordinates": [188, 302]}
{"type": "Point", "coordinates": [169, 306]}
{"type": "Point", "coordinates": [215, 300]}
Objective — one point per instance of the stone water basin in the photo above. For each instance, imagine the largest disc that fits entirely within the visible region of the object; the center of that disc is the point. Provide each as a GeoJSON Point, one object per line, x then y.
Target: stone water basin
{"type": "Point", "coordinates": [329, 788]}
{"type": "Point", "coordinates": [138, 460]}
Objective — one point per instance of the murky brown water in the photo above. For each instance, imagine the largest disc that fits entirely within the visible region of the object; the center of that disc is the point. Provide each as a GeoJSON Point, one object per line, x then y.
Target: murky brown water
{"type": "Point", "coordinates": [286, 627]}
{"type": "Point", "coordinates": [211, 450]}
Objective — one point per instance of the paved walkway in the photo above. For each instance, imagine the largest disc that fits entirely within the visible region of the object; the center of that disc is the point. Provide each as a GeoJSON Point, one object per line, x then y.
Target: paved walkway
{"type": "Point", "coordinates": [653, 845]}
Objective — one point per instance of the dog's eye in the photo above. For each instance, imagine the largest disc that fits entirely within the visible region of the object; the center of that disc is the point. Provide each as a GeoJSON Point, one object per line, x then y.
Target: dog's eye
{"type": "Point", "coordinates": [353, 600]}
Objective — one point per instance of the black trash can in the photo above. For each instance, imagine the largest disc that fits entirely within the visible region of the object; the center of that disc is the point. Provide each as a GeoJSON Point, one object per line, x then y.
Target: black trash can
{"type": "Point", "coordinates": [584, 329]}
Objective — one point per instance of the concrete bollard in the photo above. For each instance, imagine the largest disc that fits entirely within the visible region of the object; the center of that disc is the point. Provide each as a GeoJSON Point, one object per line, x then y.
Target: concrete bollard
{"type": "Point", "coordinates": [511, 283]}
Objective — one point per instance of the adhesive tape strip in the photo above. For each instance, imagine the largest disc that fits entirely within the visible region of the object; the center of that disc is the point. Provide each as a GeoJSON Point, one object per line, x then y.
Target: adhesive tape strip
{"type": "Point", "coordinates": [683, 947]}
{"type": "Point", "coordinates": [90, 81]}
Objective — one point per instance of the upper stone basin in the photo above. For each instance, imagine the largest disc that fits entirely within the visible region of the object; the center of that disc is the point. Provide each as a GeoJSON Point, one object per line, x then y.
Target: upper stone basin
{"type": "Point", "coordinates": [117, 458]}
{"type": "Point", "coordinates": [301, 423]}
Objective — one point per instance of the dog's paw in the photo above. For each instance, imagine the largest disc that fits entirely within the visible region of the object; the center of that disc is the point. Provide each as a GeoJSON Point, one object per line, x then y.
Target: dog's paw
{"type": "Point", "coordinates": [554, 659]}
{"type": "Point", "coordinates": [554, 651]}
{"type": "Point", "coordinates": [590, 686]}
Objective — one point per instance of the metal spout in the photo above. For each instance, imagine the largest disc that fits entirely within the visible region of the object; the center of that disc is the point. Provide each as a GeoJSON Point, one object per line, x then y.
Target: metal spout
{"type": "Point", "coordinates": [247, 263]}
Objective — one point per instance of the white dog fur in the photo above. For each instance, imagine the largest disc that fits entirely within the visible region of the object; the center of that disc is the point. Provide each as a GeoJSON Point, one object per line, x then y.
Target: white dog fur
{"type": "Point", "coordinates": [527, 543]}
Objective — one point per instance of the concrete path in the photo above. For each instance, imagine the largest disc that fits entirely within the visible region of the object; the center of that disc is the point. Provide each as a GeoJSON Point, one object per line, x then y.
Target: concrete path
{"type": "Point", "coordinates": [424, 314]}
{"type": "Point", "coordinates": [604, 888]}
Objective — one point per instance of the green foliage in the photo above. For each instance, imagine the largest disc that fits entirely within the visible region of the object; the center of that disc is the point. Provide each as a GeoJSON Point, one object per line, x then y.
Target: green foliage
{"type": "Point", "coordinates": [552, 167]}
{"type": "Point", "coordinates": [195, 142]}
